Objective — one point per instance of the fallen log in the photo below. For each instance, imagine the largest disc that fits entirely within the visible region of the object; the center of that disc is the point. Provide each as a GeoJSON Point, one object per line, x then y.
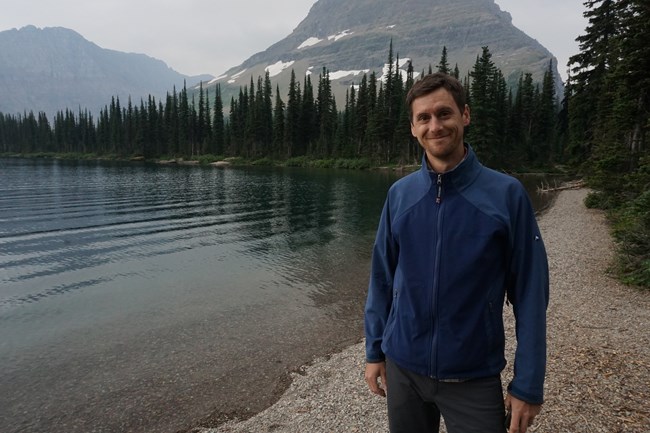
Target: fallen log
{"type": "Point", "coordinates": [574, 184]}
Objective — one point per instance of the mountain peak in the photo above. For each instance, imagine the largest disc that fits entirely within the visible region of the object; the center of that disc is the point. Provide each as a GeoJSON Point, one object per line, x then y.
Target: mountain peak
{"type": "Point", "coordinates": [55, 68]}
{"type": "Point", "coordinates": [349, 37]}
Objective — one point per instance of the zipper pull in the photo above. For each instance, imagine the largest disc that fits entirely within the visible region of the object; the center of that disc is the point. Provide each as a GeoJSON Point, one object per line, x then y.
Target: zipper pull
{"type": "Point", "coordinates": [439, 195]}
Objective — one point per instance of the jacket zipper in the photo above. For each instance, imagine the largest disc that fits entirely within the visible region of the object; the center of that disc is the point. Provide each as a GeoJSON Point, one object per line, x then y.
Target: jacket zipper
{"type": "Point", "coordinates": [435, 317]}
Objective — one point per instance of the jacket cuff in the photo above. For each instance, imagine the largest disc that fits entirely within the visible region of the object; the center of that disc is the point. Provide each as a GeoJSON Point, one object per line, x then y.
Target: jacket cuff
{"type": "Point", "coordinates": [376, 360]}
{"type": "Point", "coordinates": [524, 396]}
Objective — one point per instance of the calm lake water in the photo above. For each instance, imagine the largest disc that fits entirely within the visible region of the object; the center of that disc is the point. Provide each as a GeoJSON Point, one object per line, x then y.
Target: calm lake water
{"type": "Point", "coordinates": [143, 298]}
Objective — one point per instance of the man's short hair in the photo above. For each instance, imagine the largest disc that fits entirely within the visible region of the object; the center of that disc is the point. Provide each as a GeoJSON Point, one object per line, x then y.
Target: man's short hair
{"type": "Point", "coordinates": [432, 82]}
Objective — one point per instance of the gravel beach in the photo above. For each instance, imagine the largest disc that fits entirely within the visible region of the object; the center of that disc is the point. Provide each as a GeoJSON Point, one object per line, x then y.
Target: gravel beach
{"type": "Point", "coordinates": [598, 373]}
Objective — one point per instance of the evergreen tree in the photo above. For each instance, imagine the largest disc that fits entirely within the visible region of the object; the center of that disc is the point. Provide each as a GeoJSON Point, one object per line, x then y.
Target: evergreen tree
{"type": "Point", "coordinates": [546, 126]}
{"type": "Point", "coordinates": [184, 123]}
{"type": "Point", "coordinates": [250, 114]}
{"type": "Point", "coordinates": [373, 131]}
{"type": "Point", "coordinates": [202, 119]}
{"type": "Point", "coordinates": [309, 125]}
{"type": "Point", "coordinates": [346, 131]}
{"type": "Point", "coordinates": [443, 66]}
{"type": "Point", "coordinates": [326, 113]}
{"type": "Point", "coordinates": [173, 123]}
{"type": "Point", "coordinates": [44, 134]}
{"type": "Point", "coordinates": [486, 99]}
{"type": "Point", "coordinates": [361, 118]}
{"type": "Point", "coordinates": [234, 127]}
{"type": "Point", "coordinates": [588, 70]}
{"type": "Point", "coordinates": [376, 125]}
{"type": "Point", "coordinates": [266, 114]}
{"type": "Point", "coordinates": [218, 126]}
{"type": "Point", "coordinates": [149, 115]}
{"type": "Point", "coordinates": [292, 128]}
{"type": "Point", "coordinates": [115, 121]}
{"type": "Point", "coordinates": [618, 139]}
{"type": "Point", "coordinates": [413, 150]}
{"type": "Point", "coordinates": [278, 126]}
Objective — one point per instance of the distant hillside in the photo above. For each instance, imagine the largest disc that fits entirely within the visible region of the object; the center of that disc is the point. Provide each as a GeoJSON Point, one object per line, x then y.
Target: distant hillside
{"type": "Point", "coordinates": [350, 37]}
{"type": "Point", "coordinates": [55, 68]}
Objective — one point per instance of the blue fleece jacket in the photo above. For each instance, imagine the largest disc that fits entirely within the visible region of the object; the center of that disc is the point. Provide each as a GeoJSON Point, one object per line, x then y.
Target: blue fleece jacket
{"type": "Point", "coordinates": [450, 247]}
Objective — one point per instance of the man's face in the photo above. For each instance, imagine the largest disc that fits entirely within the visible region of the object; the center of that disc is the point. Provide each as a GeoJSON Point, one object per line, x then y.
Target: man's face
{"type": "Point", "coordinates": [439, 125]}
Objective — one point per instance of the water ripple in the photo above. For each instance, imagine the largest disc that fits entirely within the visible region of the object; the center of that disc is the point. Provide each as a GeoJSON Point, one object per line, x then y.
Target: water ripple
{"type": "Point", "coordinates": [60, 222]}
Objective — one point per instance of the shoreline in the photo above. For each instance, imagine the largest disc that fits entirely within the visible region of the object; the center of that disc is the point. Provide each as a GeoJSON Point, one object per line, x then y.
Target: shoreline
{"type": "Point", "coordinates": [598, 371]}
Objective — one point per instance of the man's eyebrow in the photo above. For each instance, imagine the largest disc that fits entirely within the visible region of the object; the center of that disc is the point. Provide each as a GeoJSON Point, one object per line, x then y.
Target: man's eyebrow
{"type": "Point", "coordinates": [445, 107]}
{"type": "Point", "coordinates": [442, 108]}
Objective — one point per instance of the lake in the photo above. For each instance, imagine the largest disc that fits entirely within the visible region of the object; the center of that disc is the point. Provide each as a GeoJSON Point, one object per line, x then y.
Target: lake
{"type": "Point", "coordinates": [143, 298]}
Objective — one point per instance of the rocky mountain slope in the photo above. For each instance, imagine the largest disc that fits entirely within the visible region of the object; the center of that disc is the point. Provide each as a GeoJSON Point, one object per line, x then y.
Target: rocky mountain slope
{"type": "Point", "coordinates": [350, 37]}
{"type": "Point", "coordinates": [52, 69]}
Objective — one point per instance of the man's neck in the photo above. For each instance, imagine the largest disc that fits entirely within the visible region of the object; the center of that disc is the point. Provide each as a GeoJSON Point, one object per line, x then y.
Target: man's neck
{"type": "Point", "coordinates": [442, 167]}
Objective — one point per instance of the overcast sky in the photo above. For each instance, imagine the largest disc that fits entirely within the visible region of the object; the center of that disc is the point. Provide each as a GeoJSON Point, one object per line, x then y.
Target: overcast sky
{"type": "Point", "coordinates": [210, 36]}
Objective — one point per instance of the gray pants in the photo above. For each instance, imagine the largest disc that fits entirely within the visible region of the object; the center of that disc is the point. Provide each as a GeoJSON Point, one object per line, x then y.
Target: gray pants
{"type": "Point", "coordinates": [415, 403]}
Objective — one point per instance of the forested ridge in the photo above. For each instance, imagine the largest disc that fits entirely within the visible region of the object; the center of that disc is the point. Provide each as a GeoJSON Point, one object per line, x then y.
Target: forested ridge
{"type": "Point", "coordinates": [510, 128]}
{"type": "Point", "coordinates": [597, 128]}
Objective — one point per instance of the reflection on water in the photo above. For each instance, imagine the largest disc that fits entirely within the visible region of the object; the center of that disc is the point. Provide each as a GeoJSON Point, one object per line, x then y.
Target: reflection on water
{"type": "Point", "coordinates": [60, 220]}
{"type": "Point", "coordinates": [100, 260]}
{"type": "Point", "coordinates": [132, 289]}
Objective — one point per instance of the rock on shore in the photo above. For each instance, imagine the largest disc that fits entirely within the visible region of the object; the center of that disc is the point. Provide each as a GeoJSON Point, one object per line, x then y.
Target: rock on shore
{"type": "Point", "coordinates": [598, 374]}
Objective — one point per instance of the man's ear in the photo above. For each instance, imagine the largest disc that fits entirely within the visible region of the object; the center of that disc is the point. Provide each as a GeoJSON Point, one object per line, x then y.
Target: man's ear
{"type": "Point", "coordinates": [466, 116]}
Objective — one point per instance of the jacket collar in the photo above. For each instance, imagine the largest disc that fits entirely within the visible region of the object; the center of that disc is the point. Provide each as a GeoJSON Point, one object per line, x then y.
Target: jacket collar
{"type": "Point", "coordinates": [461, 175]}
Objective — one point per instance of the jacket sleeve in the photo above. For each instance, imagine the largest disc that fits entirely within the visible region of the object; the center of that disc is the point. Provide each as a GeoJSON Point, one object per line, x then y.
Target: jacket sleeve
{"type": "Point", "coordinates": [529, 294]}
{"type": "Point", "coordinates": [380, 288]}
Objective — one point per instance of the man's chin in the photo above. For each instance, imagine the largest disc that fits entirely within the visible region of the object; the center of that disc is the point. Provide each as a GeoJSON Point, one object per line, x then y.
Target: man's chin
{"type": "Point", "coordinates": [439, 147]}
{"type": "Point", "coordinates": [442, 142]}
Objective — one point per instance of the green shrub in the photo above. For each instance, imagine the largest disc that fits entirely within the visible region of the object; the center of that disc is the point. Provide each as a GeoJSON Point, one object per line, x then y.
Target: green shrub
{"type": "Point", "coordinates": [353, 164]}
{"type": "Point", "coordinates": [297, 161]}
{"type": "Point", "coordinates": [236, 160]}
{"type": "Point", "coordinates": [266, 161]}
{"type": "Point", "coordinates": [631, 230]}
{"type": "Point", "coordinates": [209, 158]}
{"type": "Point", "coordinates": [322, 163]}
{"type": "Point", "coordinates": [596, 200]}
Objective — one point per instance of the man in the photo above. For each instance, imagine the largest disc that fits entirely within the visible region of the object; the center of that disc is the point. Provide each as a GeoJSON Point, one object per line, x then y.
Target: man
{"type": "Point", "coordinates": [454, 239]}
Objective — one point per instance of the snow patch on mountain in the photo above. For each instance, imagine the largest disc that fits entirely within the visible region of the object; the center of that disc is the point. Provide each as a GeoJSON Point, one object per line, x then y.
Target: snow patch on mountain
{"type": "Point", "coordinates": [340, 74]}
{"type": "Point", "coordinates": [402, 63]}
{"type": "Point", "coordinates": [310, 42]}
{"type": "Point", "coordinates": [340, 35]}
{"type": "Point", "coordinates": [278, 67]}
{"type": "Point", "coordinates": [237, 75]}
{"type": "Point", "coordinates": [215, 79]}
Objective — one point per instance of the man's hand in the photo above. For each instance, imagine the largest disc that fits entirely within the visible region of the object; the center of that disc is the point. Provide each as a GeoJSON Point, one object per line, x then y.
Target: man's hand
{"type": "Point", "coordinates": [523, 414]}
{"type": "Point", "coordinates": [376, 371]}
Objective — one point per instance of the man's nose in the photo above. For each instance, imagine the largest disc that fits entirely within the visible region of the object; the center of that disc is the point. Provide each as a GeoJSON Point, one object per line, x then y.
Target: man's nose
{"type": "Point", "coordinates": [435, 124]}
